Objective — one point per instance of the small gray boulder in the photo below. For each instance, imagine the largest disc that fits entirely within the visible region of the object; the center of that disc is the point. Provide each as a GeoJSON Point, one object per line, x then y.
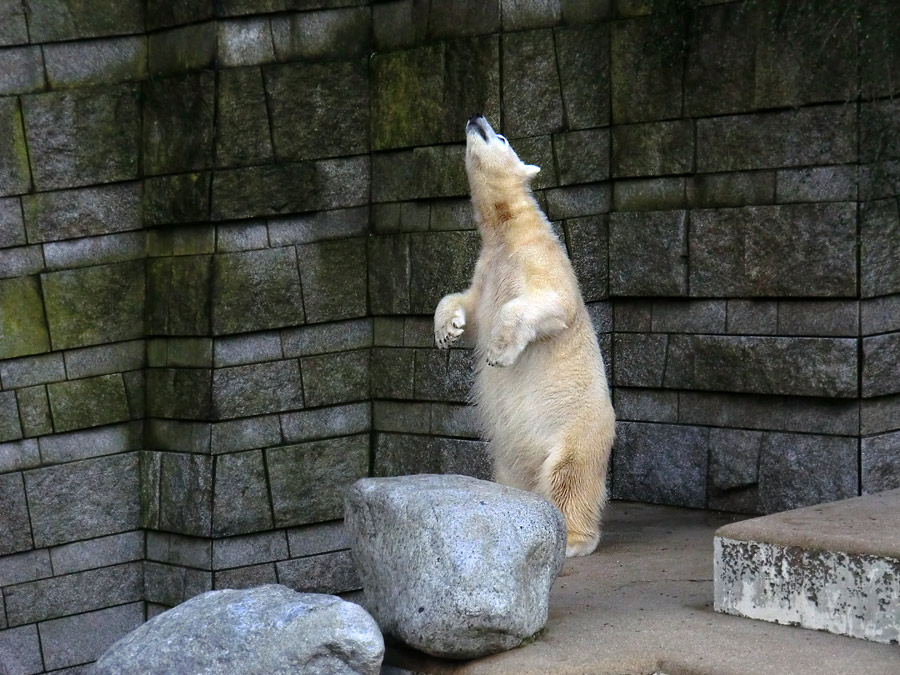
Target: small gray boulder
{"type": "Point", "coordinates": [454, 566]}
{"type": "Point", "coordinates": [268, 630]}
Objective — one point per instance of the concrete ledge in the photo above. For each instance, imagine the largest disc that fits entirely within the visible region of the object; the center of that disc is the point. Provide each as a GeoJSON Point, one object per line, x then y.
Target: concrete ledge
{"type": "Point", "coordinates": [832, 567]}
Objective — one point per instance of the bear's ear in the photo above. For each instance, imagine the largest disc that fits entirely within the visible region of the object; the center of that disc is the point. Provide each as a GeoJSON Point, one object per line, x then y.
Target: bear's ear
{"type": "Point", "coordinates": [530, 171]}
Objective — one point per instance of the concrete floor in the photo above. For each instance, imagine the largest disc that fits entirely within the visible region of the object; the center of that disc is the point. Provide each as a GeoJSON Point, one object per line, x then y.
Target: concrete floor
{"type": "Point", "coordinates": [642, 604]}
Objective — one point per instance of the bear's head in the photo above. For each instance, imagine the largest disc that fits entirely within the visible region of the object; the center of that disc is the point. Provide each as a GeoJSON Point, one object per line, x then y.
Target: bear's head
{"type": "Point", "coordinates": [492, 165]}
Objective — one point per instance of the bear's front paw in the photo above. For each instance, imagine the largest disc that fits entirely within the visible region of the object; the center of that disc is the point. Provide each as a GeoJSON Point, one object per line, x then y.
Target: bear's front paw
{"type": "Point", "coordinates": [503, 352]}
{"type": "Point", "coordinates": [447, 331]}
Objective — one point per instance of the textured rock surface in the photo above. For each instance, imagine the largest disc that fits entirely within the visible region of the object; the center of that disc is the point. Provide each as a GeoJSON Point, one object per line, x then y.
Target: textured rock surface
{"type": "Point", "coordinates": [455, 566]}
{"type": "Point", "coordinates": [267, 630]}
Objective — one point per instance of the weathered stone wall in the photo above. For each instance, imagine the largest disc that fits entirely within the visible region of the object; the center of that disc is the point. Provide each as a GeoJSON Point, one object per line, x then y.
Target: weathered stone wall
{"type": "Point", "coordinates": [224, 226]}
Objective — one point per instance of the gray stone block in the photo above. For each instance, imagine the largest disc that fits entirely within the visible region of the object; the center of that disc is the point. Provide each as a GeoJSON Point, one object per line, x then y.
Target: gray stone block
{"type": "Point", "coordinates": [647, 68]}
{"type": "Point", "coordinates": [255, 432]}
{"type": "Point", "coordinates": [522, 14]}
{"type": "Point", "coordinates": [90, 211]}
{"type": "Point", "coordinates": [161, 13]}
{"type": "Point", "coordinates": [255, 192]}
{"type": "Point", "coordinates": [232, 237]}
{"type": "Point", "coordinates": [186, 493]}
{"type": "Point", "coordinates": [244, 42]}
{"type": "Point", "coordinates": [79, 639]}
{"type": "Point", "coordinates": [170, 585]}
{"type": "Point", "coordinates": [241, 497]}
{"type": "Point", "coordinates": [819, 317]}
{"type": "Point", "coordinates": [178, 295]}
{"type": "Point", "coordinates": [653, 149]}
{"type": "Point", "coordinates": [343, 182]}
{"type": "Point", "coordinates": [95, 251]}
{"type": "Point", "coordinates": [34, 411]}
{"type": "Point", "coordinates": [325, 573]}
{"type": "Point", "coordinates": [877, 415]}
{"type": "Point", "coordinates": [250, 549]}
{"type": "Point", "coordinates": [329, 337]}
{"type": "Point", "coordinates": [777, 413]}
{"type": "Point", "coordinates": [83, 499]}
{"type": "Point", "coordinates": [880, 463]}
{"type": "Point", "coordinates": [15, 175]}
{"type": "Point", "coordinates": [335, 378]}
{"type": "Point", "coordinates": [90, 402]}
{"type": "Point", "coordinates": [82, 19]}
{"type": "Point", "coordinates": [877, 59]}
{"type": "Point", "coordinates": [765, 365]}
{"type": "Point", "coordinates": [178, 123]}
{"type": "Point", "coordinates": [14, 515]}
{"type": "Point", "coordinates": [315, 539]}
{"type": "Point", "coordinates": [464, 457]}
{"type": "Point", "coordinates": [21, 261]}
{"type": "Point", "coordinates": [79, 64]}
{"type": "Point", "coordinates": [651, 194]}
{"type": "Point", "coordinates": [458, 18]}
{"type": "Point", "coordinates": [731, 189]}
{"type": "Point", "coordinates": [805, 55]}
{"type": "Point", "coordinates": [403, 455]}
{"type": "Point", "coordinates": [582, 58]}
{"type": "Point", "coordinates": [83, 136]}
{"type": "Point", "coordinates": [632, 316]}
{"type": "Point", "coordinates": [876, 315]}
{"type": "Point", "coordinates": [389, 268]}
{"type": "Point", "coordinates": [648, 253]}
{"type": "Point", "coordinates": [879, 180]}
{"type": "Point", "coordinates": [441, 263]}
{"type": "Point", "coordinates": [444, 376]}
{"type": "Point", "coordinates": [879, 244]}
{"type": "Point", "coordinates": [639, 359]}
{"type": "Point", "coordinates": [333, 288]}
{"type": "Point", "coordinates": [734, 458]}
{"type": "Point", "coordinates": [646, 405]}
{"type": "Point", "coordinates": [342, 420]}
{"type": "Point", "coordinates": [393, 373]}
{"type": "Point", "coordinates": [242, 133]}
{"type": "Point", "coordinates": [179, 393]}
{"type": "Point", "coordinates": [18, 455]}
{"type": "Point", "coordinates": [452, 214]}
{"type": "Point", "coordinates": [880, 365]}
{"type": "Point", "coordinates": [800, 250]}
{"type": "Point", "coordinates": [21, 649]}
{"type": "Point", "coordinates": [661, 463]}
{"type": "Point", "coordinates": [334, 98]}
{"type": "Point", "coordinates": [719, 73]}
{"type": "Point", "coordinates": [180, 49]}
{"type": "Point", "coordinates": [308, 481]}
{"type": "Point", "coordinates": [12, 227]}
{"type": "Point", "coordinates": [245, 577]}
{"type": "Point", "coordinates": [808, 136]}
{"type": "Point", "coordinates": [878, 131]}
{"type": "Point", "coordinates": [329, 34]}
{"type": "Point", "coordinates": [256, 290]}
{"type": "Point", "coordinates": [13, 29]}
{"type": "Point", "coordinates": [176, 549]}
{"type": "Point", "coordinates": [95, 553]}
{"type": "Point", "coordinates": [10, 429]}
{"type": "Point", "coordinates": [419, 173]}
{"type": "Point", "coordinates": [402, 417]}
{"type": "Point", "coordinates": [241, 391]}
{"type": "Point", "coordinates": [280, 632]}
{"type": "Point", "coordinates": [176, 199]}
{"type": "Point", "coordinates": [785, 481]}
{"type": "Point", "coordinates": [819, 184]}
{"type": "Point", "coordinates": [20, 568]}
{"type": "Point", "coordinates": [402, 23]}
{"type": "Point", "coordinates": [76, 445]}
{"type": "Point", "coordinates": [582, 156]}
{"type": "Point", "coordinates": [21, 70]}
{"type": "Point", "coordinates": [531, 86]}
{"type": "Point", "coordinates": [105, 359]}
{"type": "Point", "coordinates": [753, 317]}
{"type": "Point", "coordinates": [388, 331]}
{"type": "Point", "coordinates": [20, 297]}
{"type": "Point", "coordinates": [74, 593]}
{"type": "Point", "coordinates": [688, 316]}
{"type": "Point", "coordinates": [319, 226]}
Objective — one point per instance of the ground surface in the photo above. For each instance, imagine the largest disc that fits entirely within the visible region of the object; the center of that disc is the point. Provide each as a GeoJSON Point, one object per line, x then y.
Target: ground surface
{"type": "Point", "coordinates": [643, 603]}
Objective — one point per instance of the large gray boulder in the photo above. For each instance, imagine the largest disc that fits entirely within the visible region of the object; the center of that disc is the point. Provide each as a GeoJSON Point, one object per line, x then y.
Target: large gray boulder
{"type": "Point", "coordinates": [454, 566]}
{"type": "Point", "coordinates": [268, 630]}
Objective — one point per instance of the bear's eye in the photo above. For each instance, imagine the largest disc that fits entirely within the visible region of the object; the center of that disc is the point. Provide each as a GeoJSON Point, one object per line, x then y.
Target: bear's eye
{"type": "Point", "coordinates": [503, 138]}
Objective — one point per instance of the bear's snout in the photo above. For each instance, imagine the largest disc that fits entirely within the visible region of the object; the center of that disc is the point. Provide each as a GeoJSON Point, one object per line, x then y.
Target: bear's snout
{"type": "Point", "coordinates": [477, 123]}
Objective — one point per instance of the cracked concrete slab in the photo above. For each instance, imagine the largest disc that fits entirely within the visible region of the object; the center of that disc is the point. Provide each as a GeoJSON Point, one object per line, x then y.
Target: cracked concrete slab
{"type": "Point", "coordinates": [642, 604]}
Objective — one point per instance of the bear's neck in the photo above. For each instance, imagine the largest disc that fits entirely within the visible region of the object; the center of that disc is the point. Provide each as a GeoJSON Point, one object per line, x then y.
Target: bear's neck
{"type": "Point", "coordinates": [503, 215]}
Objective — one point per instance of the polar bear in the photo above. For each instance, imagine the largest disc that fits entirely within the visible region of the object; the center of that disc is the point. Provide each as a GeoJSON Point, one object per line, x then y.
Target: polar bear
{"type": "Point", "coordinates": [541, 388]}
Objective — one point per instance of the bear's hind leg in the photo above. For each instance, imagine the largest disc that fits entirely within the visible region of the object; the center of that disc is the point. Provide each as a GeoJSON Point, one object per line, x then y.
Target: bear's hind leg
{"type": "Point", "coordinates": [576, 483]}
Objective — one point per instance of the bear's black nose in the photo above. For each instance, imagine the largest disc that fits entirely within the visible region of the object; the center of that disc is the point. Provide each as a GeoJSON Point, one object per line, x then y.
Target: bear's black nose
{"type": "Point", "coordinates": [475, 116]}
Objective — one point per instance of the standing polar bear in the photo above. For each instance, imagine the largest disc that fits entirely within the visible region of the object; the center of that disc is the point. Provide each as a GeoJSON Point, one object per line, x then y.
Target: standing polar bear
{"type": "Point", "coordinates": [541, 387]}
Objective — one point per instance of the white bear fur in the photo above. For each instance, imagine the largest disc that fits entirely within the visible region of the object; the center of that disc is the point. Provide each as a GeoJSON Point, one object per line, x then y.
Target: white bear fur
{"type": "Point", "coordinates": [541, 388]}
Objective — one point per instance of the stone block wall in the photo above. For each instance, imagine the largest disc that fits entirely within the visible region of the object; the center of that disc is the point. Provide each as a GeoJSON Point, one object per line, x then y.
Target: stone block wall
{"type": "Point", "coordinates": [224, 227]}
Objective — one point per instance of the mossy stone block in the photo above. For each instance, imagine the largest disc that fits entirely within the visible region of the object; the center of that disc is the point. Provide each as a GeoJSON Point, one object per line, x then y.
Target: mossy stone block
{"type": "Point", "coordinates": [12, 230]}
{"type": "Point", "coordinates": [95, 305]}
{"type": "Point", "coordinates": [10, 429]}
{"type": "Point", "coordinates": [588, 240]}
{"type": "Point", "coordinates": [21, 70]}
{"type": "Point", "coordinates": [531, 90]}
{"type": "Point", "coordinates": [83, 136]}
{"type": "Point", "coordinates": [389, 274]}
{"type": "Point", "coordinates": [185, 493]}
{"type": "Point", "coordinates": [13, 515]}
{"type": "Point", "coordinates": [83, 212]}
{"type": "Point", "coordinates": [90, 402]}
{"type": "Point", "coordinates": [653, 149]}
{"type": "Point", "coordinates": [182, 49]}
{"type": "Point", "coordinates": [308, 481]}
{"type": "Point", "coordinates": [582, 156]}
{"type": "Point", "coordinates": [176, 199]}
{"type": "Point", "coordinates": [648, 253]}
{"type": "Point", "coordinates": [328, 34]}
{"type": "Point", "coordinates": [13, 30]}
{"type": "Point", "coordinates": [178, 123]}
{"type": "Point", "coordinates": [241, 502]}
{"type": "Point", "coordinates": [178, 295]}
{"type": "Point", "coordinates": [333, 284]}
{"type": "Point", "coordinates": [264, 191]}
{"type": "Point", "coordinates": [582, 53]}
{"type": "Point", "coordinates": [442, 262]}
{"type": "Point", "coordinates": [15, 176]}
{"type": "Point", "coordinates": [256, 389]}
{"type": "Point", "coordinates": [179, 393]}
{"type": "Point", "coordinates": [34, 410]}
{"type": "Point", "coordinates": [420, 173]}
{"type": "Point", "coordinates": [163, 13]}
{"type": "Point", "coordinates": [335, 378]}
{"type": "Point", "coordinates": [334, 100]}
{"type": "Point", "coordinates": [80, 64]}
{"type": "Point", "coordinates": [256, 290]}
{"type": "Point", "coordinates": [879, 48]}
{"type": "Point", "coordinates": [51, 21]}
{"type": "Point", "coordinates": [23, 329]}
{"type": "Point", "coordinates": [242, 133]}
